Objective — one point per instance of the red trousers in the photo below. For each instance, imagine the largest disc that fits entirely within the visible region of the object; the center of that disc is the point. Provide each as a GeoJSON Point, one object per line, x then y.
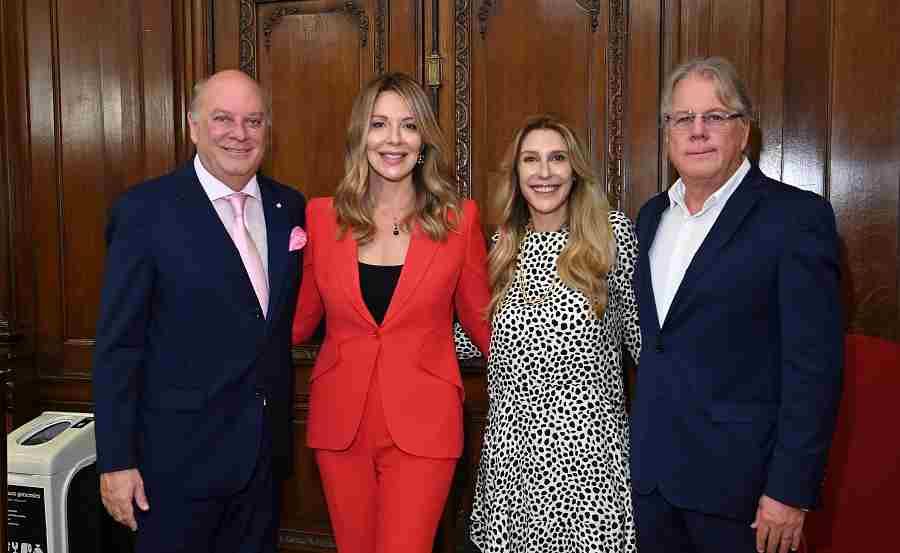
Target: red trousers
{"type": "Point", "coordinates": [380, 498]}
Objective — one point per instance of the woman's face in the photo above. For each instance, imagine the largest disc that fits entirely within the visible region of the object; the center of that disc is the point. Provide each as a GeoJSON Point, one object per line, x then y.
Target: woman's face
{"type": "Point", "coordinates": [545, 177]}
{"type": "Point", "coordinates": [393, 140]}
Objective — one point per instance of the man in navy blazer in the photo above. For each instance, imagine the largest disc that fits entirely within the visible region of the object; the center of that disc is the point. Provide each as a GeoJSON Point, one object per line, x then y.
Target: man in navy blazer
{"type": "Point", "coordinates": [193, 382]}
{"type": "Point", "coordinates": [739, 377]}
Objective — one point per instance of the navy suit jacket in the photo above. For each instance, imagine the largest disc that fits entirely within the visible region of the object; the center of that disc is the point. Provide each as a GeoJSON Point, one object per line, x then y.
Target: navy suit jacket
{"type": "Point", "coordinates": [737, 391]}
{"type": "Point", "coordinates": [184, 355]}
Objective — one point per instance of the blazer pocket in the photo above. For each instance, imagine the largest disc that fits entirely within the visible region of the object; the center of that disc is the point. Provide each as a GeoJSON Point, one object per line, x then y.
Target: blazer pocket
{"type": "Point", "coordinates": [177, 399]}
{"type": "Point", "coordinates": [742, 412]}
{"type": "Point", "coordinates": [327, 358]}
{"type": "Point", "coordinates": [437, 357]}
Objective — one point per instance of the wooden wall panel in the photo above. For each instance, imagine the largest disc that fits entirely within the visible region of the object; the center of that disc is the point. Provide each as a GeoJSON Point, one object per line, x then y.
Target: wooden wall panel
{"type": "Point", "coordinates": [42, 123]}
{"type": "Point", "coordinates": [863, 166]}
{"type": "Point", "coordinates": [94, 96]}
{"type": "Point", "coordinates": [807, 92]}
{"type": "Point", "coordinates": [101, 119]}
{"type": "Point", "coordinates": [509, 41]}
{"type": "Point", "coordinates": [644, 140]}
{"type": "Point", "coordinates": [515, 59]}
{"type": "Point", "coordinates": [770, 47]}
{"type": "Point", "coordinates": [313, 63]}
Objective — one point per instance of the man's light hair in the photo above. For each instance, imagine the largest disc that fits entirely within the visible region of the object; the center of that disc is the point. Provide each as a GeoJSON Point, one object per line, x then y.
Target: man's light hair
{"type": "Point", "coordinates": [730, 89]}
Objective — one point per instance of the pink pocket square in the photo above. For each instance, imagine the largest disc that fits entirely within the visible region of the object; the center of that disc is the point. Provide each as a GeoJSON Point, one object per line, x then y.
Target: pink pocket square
{"type": "Point", "coordinates": [297, 240]}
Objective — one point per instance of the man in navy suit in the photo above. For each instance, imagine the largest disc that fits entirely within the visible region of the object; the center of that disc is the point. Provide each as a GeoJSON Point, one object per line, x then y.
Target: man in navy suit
{"type": "Point", "coordinates": [739, 376]}
{"type": "Point", "coordinates": [193, 382]}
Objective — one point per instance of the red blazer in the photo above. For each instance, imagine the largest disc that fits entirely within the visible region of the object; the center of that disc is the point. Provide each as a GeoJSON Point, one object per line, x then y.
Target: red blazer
{"type": "Point", "coordinates": [413, 349]}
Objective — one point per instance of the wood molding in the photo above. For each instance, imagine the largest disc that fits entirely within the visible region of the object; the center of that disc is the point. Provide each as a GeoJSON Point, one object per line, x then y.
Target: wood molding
{"type": "Point", "coordinates": [463, 99]}
{"type": "Point", "coordinates": [617, 65]}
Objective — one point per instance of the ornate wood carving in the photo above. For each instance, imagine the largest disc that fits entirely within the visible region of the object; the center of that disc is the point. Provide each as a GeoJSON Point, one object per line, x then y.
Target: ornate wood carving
{"type": "Point", "coordinates": [305, 352]}
{"type": "Point", "coordinates": [362, 20]}
{"type": "Point", "coordinates": [463, 103]}
{"type": "Point", "coordinates": [615, 107]}
{"type": "Point", "coordinates": [293, 537]}
{"type": "Point", "coordinates": [380, 37]}
{"type": "Point", "coordinates": [616, 70]}
{"type": "Point", "coordinates": [248, 31]}
{"type": "Point", "coordinates": [592, 7]}
{"type": "Point", "coordinates": [484, 13]}
{"type": "Point", "coordinates": [248, 38]}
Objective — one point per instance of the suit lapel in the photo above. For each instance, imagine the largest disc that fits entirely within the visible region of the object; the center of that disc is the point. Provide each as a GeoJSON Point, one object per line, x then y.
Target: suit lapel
{"type": "Point", "coordinates": [277, 237]}
{"type": "Point", "coordinates": [347, 260]}
{"type": "Point", "coordinates": [729, 221]}
{"type": "Point", "coordinates": [418, 258]}
{"type": "Point", "coordinates": [654, 215]}
{"type": "Point", "coordinates": [206, 229]}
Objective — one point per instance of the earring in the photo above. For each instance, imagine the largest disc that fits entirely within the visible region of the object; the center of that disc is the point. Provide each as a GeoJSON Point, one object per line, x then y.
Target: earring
{"type": "Point", "coordinates": [421, 159]}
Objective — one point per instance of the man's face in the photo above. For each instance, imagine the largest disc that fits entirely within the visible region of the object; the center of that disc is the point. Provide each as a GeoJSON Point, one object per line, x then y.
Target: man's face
{"type": "Point", "coordinates": [703, 155]}
{"type": "Point", "coordinates": [229, 128]}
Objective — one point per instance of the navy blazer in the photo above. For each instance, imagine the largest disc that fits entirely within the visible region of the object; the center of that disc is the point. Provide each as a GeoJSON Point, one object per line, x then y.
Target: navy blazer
{"type": "Point", "coordinates": [737, 391]}
{"type": "Point", "coordinates": [184, 357]}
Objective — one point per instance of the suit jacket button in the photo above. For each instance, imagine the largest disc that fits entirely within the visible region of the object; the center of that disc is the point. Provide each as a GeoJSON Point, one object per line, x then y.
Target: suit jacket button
{"type": "Point", "coordinates": [659, 346]}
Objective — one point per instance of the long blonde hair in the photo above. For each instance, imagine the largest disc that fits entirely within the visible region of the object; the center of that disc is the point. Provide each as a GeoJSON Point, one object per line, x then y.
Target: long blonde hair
{"type": "Point", "coordinates": [437, 202]}
{"type": "Point", "coordinates": [590, 252]}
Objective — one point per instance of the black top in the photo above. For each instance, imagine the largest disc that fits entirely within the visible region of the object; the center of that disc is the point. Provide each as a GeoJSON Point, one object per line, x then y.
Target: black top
{"type": "Point", "coordinates": [377, 283]}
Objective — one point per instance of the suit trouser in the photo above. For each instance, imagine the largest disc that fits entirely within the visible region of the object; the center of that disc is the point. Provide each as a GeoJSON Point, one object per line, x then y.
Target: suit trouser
{"type": "Point", "coordinates": [665, 528]}
{"type": "Point", "coordinates": [380, 498]}
{"type": "Point", "coordinates": [246, 522]}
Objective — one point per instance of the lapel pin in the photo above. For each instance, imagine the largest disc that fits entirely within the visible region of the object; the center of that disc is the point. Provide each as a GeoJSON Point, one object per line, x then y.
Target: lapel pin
{"type": "Point", "coordinates": [278, 205]}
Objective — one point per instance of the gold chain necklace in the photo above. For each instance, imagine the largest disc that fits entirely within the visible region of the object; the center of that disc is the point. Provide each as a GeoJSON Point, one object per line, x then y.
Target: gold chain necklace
{"type": "Point", "coordinates": [538, 299]}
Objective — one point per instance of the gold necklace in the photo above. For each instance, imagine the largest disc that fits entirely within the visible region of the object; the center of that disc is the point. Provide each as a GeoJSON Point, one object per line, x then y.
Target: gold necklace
{"type": "Point", "coordinates": [538, 299]}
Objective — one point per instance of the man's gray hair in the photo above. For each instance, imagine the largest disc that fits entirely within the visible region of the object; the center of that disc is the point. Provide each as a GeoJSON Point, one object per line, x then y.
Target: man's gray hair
{"type": "Point", "coordinates": [730, 89]}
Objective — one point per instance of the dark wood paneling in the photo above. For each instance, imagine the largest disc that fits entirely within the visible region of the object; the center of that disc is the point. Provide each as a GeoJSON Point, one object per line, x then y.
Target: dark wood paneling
{"type": "Point", "coordinates": [43, 206]}
{"type": "Point", "coordinates": [807, 93]}
{"type": "Point", "coordinates": [101, 115]}
{"type": "Point", "coordinates": [770, 47]}
{"type": "Point", "coordinates": [313, 59]}
{"type": "Point", "coordinates": [509, 65]}
{"type": "Point", "coordinates": [864, 161]}
{"type": "Point", "coordinates": [645, 45]}
{"type": "Point", "coordinates": [95, 95]}
{"type": "Point", "coordinates": [6, 176]}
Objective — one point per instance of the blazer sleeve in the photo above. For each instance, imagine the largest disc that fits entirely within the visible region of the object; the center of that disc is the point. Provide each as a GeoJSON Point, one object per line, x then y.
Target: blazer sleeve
{"type": "Point", "coordinates": [811, 358]}
{"type": "Point", "coordinates": [310, 309]}
{"type": "Point", "coordinates": [119, 356]}
{"type": "Point", "coordinates": [472, 294]}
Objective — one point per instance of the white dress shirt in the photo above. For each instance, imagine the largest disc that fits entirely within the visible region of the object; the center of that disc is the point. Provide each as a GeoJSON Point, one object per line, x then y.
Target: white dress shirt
{"type": "Point", "coordinates": [680, 235]}
{"type": "Point", "coordinates": [254, 217]}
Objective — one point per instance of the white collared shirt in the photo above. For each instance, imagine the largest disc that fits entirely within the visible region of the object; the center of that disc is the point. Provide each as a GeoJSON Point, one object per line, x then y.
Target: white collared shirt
{"type": "Point", "coordinates": [680, 235]}
{"type": "Point", "coordinates": [254, 217]}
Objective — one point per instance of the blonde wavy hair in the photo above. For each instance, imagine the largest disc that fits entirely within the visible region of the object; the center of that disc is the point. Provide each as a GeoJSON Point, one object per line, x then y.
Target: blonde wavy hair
{"type": "Point", "coordinates": [437, 202]}
{"type": "Point", "coordinates": [590, 252]}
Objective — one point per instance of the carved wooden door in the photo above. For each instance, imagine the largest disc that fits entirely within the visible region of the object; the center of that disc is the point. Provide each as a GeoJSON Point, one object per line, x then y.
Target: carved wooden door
{"type": "Point", "coordinates": [487, 65]}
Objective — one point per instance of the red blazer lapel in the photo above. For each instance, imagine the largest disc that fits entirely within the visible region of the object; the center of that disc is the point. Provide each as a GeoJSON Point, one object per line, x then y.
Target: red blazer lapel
{"type": "Point", "coordinates": [419, 256]}
{"type": "Point", "coordinates": [346, 256]}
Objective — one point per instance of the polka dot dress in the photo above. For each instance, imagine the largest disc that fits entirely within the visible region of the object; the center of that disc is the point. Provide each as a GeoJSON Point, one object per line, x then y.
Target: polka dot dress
{"type": "Point", "coordinates": [553, 476]}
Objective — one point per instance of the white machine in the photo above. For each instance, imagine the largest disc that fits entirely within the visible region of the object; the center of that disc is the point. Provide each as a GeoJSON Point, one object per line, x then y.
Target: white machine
{"type": "Point", "coordinates": [51, 495]}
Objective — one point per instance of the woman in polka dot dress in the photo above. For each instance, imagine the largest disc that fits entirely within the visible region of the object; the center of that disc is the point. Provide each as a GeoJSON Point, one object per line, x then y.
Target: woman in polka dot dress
{"type": "Point", "coordinates": [553, 476]}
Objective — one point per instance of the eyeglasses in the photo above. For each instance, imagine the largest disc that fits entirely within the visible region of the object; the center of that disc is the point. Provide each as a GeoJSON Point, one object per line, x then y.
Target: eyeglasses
{"type": "Point", "coordinates": [682, 121]}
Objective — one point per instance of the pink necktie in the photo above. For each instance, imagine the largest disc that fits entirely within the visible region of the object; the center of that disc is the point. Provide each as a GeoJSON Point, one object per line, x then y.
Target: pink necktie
{"type": "Point", "coordinates": [247, 249]}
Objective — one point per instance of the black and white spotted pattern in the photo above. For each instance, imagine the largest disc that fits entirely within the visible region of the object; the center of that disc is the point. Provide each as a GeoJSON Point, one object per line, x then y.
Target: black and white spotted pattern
{"type": "Point", "coordinates": [554, 476]}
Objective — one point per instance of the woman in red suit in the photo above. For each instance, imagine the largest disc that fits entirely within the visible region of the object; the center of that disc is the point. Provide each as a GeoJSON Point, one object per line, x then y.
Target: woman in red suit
{"type": "Point", "coordinates": [389, 260]}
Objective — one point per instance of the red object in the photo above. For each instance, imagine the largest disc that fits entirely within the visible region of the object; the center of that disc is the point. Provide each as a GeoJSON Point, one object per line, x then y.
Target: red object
{"type": "Point", "coordinates": [862, 482]}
